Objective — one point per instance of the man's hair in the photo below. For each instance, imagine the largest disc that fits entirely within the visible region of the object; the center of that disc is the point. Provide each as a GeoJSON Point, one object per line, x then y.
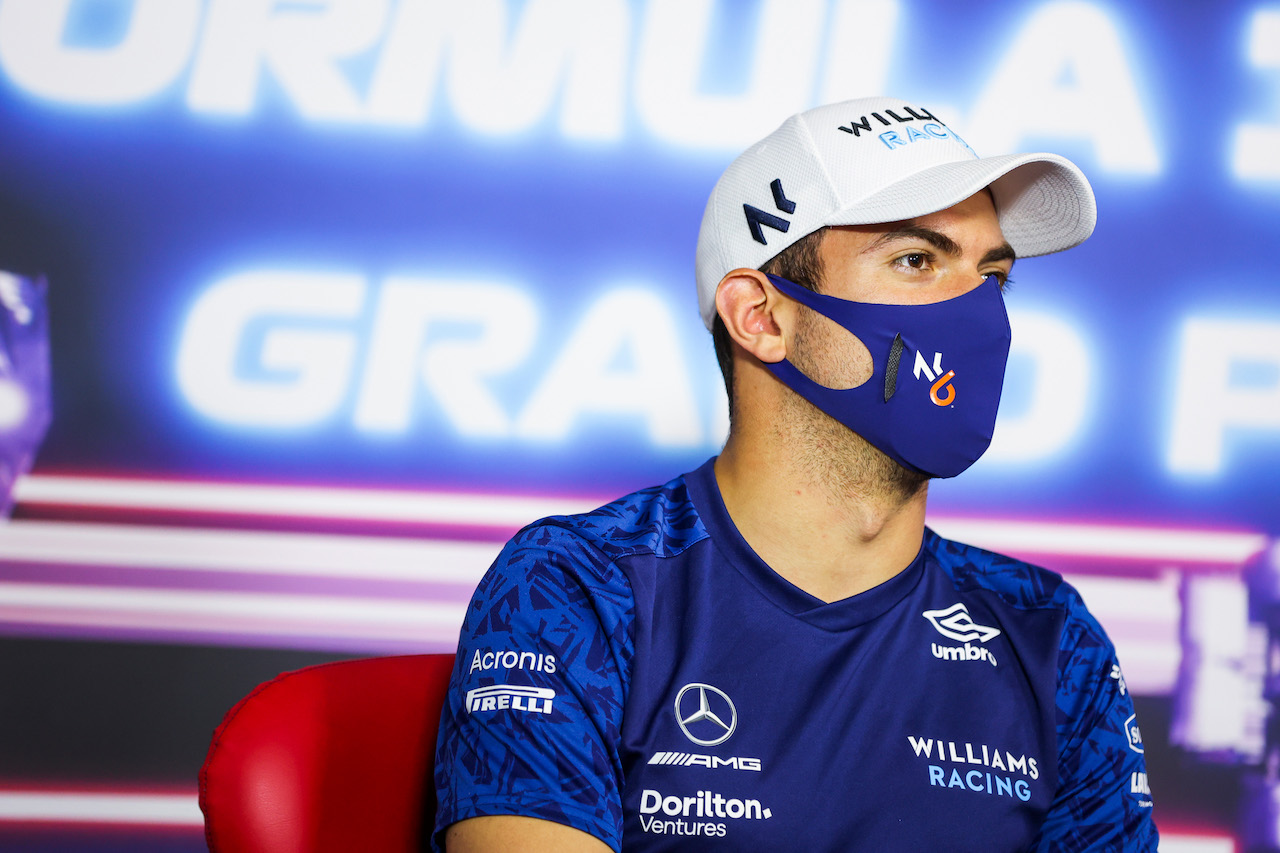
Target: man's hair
{"type": "Point", "coordinates": [801, 263]}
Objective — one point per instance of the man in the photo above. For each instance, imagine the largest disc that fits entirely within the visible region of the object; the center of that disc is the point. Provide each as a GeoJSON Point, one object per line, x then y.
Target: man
{"type": "Point", "coordinates": [773, 652]}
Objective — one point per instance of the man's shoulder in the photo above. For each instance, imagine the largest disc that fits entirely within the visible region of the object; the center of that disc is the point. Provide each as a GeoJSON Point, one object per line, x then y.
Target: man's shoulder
{"type": "Point", "coordinates": [1019, 584]}
{"type": "Point", "coordinates": [557, 562]}
{"type": "Point", "coordinates": [660, 521]}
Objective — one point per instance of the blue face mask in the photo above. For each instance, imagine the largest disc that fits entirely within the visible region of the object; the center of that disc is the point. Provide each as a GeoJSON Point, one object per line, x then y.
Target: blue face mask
{"type": "Point", "coordinates": [938, 369]}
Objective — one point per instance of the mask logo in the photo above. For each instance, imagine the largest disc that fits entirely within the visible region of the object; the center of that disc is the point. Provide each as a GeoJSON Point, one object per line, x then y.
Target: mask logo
{"type": "Point", "coordinates": [941, 381]}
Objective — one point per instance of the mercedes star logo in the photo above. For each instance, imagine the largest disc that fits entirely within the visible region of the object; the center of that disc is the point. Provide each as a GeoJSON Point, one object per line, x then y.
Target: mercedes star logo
{"type": "Point", "coordinates": [707, 716]}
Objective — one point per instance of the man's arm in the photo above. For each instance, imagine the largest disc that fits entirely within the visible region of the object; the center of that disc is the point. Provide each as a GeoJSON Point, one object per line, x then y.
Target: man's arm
{"type": "Point", "coordinates": [1102, 803]}
{"type": "Point", "coordinates": [531, 727]}
{"type": "Point", "coordinates": [515, 834]}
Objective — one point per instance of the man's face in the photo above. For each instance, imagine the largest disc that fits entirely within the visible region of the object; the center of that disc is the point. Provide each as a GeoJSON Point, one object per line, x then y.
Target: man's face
{"type": "Point", "coordinates": [917, 261]}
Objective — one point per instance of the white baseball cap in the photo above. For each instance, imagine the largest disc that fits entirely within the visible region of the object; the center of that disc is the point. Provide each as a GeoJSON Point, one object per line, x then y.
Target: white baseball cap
{"type": "Point", "coordinates": [876, 160]}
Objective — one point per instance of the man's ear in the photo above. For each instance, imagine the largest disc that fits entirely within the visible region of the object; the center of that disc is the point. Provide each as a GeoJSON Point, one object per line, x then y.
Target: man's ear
{"type": "Point", "coordinates": [754, 313]}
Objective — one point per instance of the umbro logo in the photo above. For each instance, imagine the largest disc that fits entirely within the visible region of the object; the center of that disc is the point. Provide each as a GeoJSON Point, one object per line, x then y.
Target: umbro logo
{"type": "Point", "coordinates": [955, 623]}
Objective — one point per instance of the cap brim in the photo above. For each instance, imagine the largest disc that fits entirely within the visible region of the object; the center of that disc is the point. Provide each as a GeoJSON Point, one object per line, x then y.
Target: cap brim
{"type": "Point", "coordinates": [1044, 203]}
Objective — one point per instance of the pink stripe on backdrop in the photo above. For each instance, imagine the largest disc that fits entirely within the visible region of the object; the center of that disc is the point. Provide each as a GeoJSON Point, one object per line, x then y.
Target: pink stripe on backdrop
{"type": "Point", "coordinates": [69, 807]}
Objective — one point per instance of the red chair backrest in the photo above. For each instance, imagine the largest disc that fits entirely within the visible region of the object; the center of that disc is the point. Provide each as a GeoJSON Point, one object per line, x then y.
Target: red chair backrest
{"type": "Point", "coordinates": [334, 757]}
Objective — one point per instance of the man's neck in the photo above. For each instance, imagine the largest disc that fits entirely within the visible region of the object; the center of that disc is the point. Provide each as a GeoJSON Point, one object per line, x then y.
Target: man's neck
{"type": "Point", "coordinates": [831, 530]}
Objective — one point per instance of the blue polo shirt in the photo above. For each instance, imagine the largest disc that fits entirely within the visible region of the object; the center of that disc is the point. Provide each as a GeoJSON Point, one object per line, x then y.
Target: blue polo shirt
{"type": "Point", "coordinates": [639, 673]}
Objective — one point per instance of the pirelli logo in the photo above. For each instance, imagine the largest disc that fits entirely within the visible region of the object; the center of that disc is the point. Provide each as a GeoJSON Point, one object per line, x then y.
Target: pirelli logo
{"type": "Point", "coordinates": [690, 759]}
{"type": "Point", "coordinates": [501, 697]}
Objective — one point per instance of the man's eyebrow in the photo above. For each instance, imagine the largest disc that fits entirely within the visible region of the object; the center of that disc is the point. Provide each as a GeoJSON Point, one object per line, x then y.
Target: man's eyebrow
{"type": "Point", "coordinates": [939, 241]}
{"type": "Point", "coordinates": [1001, 253]}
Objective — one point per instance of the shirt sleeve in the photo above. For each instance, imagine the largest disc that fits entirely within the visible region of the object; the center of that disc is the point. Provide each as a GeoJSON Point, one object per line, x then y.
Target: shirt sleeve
{"type": "Point", "coordinates": [1103, 801]}
{"type": "Point", "coordinates": [533, 718]}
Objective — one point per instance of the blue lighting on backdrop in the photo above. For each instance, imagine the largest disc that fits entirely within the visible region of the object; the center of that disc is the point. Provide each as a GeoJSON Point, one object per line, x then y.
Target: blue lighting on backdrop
{"type": "Point", "coordinates": [450, 244]}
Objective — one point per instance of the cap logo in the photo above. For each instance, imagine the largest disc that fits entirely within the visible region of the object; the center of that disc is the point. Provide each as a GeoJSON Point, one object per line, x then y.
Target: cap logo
{"type": "Point", "coordinates": [757, 217]}
{"type": "Point", "coordinates": [856, 127]}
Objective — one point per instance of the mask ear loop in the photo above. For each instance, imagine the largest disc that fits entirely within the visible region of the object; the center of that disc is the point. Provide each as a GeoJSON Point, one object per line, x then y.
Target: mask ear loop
{"type": "Point", "coordinates": [891, 369]}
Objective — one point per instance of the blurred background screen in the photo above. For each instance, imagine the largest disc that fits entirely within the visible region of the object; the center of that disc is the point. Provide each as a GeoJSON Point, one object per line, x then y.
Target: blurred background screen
{"type": "Point", "coordinates": [341, 293]}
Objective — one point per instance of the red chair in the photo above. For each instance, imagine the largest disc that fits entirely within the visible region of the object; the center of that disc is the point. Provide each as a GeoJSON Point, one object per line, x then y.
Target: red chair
{"type": "Point", "coordinates": [334, 757]}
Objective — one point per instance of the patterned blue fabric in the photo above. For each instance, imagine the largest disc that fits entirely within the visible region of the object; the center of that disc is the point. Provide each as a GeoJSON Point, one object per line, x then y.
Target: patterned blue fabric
{"type": "Point", "coordinates": [639, 674]}
{"type": "Point", "coordinates": [1101, 802]}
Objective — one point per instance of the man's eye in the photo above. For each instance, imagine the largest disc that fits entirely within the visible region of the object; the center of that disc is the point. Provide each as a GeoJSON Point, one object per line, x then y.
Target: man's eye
{"type": "Point", "coordinates": [915, 260]}
{"type": "Point", "coordinates": [1002, 279]}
